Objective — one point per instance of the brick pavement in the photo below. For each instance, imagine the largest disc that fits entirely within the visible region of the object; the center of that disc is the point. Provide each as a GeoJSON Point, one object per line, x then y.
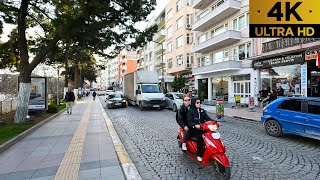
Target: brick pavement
{"type": "Point", "coordinates": [76, 146]}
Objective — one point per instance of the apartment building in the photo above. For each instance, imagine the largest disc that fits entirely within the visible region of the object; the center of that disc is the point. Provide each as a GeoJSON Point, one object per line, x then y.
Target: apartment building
{"type": "Point", "coordinates": [112, 72]}
{"type": "Point", "coordinates": [140, 59]}
{"type": "Point", "coordinates": [179, 37]}
{"type": "Point", "coordinates": [127, 64]}
{"type": "Point", "coordinates": [223, 50]}
{"type": "Point", "coordinates": [149, 50]}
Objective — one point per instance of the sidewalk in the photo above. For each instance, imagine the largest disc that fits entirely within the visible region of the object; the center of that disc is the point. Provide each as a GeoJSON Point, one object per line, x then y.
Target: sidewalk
{"type": "Point", "coordinates": [76, 146]}
{"type": "Point", "coordinates": [238, 113]}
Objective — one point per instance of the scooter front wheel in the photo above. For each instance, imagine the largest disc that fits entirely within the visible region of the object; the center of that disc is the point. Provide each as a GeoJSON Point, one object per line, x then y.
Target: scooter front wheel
{"type": "Point", "coordinates": [221, 172]}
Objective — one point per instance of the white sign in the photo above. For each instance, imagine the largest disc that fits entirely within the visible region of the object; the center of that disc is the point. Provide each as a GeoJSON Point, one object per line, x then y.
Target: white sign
{"type": "Point", "coordinates": [38, 95]}
{"type": "Point", "coordinates": [304, 80]}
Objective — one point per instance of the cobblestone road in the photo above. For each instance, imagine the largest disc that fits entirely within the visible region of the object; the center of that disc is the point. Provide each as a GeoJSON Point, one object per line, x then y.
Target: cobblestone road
{"type": "Point", "coordinates": [150, 138]}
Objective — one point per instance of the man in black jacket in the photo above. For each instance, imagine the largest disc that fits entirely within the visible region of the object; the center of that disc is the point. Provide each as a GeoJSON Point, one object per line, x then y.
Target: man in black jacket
{"type": "Point", "coordinates": [197, 116]}
{"type": "Point", "coordinates": [69, 98]}
{"type": "Point", "coordinates": [182, 120]}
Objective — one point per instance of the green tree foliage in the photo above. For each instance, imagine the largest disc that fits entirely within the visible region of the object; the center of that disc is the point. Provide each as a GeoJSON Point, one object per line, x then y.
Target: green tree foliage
{"type": "Point", "coordinates": [178, 83]}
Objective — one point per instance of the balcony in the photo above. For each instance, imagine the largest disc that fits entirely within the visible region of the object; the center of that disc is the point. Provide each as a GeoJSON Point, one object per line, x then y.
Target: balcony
{"type": "Point", "coordinates": [161, 22]}
{"type": "Point", "coordinates": [227, 64]}
{"type": "Point", "coordinates": [201, 4]}
{"type": "Point", "coordinates": [217, 42]}
{"type": "Point", "coordinates": [160, 36]}
{"type": "Point", "coordinates": [220, 11]}
{"type": "Point", "coordinates": [160, 50]}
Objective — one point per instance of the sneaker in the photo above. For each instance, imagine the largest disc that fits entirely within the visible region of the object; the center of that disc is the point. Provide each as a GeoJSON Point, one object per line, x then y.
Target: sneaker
{"type": "Point", "coordinates": [70, 112]}
{"type": "Point", "coordinates": [199, 158]}
{"type": "Point", "coordinates": [184, 146]}
{"type": "Point", "coordinates": [67, 112]}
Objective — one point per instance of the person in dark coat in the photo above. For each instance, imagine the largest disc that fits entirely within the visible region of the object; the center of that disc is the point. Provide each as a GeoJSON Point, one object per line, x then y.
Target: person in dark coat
{"type": "Point", "coordinates": [69, 98]}
{"type": "Point", "coordinates": [182, 120]}
{"type": "Point", "coordinates": [94, 94]}
{"type": "Point", "coordinates": [197, 116]}
{"type": "Point", "coordinates": [280, 91]}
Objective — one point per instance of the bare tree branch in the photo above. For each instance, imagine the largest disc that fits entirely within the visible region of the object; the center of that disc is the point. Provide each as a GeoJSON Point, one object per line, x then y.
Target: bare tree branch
{"type": "Point", "coordinates": [40, 24]}
{"type": "Point", "coordinates": [41, 10]}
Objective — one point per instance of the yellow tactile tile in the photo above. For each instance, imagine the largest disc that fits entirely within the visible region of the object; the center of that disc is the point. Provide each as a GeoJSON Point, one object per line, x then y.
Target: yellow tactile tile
{"type": "Point", "coordinates": [70, 164]}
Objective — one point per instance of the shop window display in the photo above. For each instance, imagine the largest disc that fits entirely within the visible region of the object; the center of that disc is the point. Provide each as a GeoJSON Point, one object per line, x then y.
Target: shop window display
{"type": "Point", "coordinates": [287, 77]}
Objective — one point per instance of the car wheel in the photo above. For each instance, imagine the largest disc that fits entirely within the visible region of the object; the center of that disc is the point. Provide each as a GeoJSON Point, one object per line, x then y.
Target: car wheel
{"type": "Point", "coordinates": [175, 109]}
{"type": "Point", "coordinates": [273, 128]}
{"type": "Point", "coordinates": [141, 107]}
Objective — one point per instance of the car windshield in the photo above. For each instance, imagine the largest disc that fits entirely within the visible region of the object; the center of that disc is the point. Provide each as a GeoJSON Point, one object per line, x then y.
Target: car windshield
{"type": "Point", "coordinates": [150, 89]}
{"type": "Point", "coordinates": [178, 96]}
{"type": "Point", "coordinates": [111, 96]}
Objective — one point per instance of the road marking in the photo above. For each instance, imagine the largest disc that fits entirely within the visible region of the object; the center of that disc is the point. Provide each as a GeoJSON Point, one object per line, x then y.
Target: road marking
{"type": "Point", "coordinates": [70, 164]}
{"type": "Point", "coordinates": [127, 165]}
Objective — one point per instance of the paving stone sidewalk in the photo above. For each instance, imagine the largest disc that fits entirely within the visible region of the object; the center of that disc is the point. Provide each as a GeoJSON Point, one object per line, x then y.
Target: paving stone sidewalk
{"type": "Point", "coordinates": [81, 136]}
{"type": "Point", "coordinates": [238, 112]}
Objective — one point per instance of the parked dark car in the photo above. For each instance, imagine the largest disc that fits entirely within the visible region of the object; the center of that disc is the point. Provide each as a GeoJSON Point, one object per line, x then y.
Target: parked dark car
{"type": "Point", "coordinates": [116, 100]}
{"type": "Point", "coordinates": [293, 115]}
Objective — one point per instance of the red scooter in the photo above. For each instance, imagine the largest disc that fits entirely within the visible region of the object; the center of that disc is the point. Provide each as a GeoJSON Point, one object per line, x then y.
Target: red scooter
{"type": "Point", "coordinates": [214, 154]}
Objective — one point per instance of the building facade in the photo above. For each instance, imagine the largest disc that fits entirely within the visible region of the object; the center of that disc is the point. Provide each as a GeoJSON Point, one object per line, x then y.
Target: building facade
{"type": "Point", "coordinates": [140, 59]}
{"type": "Point", "coordinates": [223, 50]}
{"type": "Point", "coordinates": [112, 68]}
{"type": "Point", "coordinates": [127, 64]}
{"type": "Point", "coordinates": [179, 37]}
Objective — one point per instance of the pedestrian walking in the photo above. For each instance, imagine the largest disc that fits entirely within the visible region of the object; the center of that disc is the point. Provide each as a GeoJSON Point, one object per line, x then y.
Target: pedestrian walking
{"type": "Point", "coordinates": [69, 98]}
{"type": "Point", "coordinates": [94, 94]}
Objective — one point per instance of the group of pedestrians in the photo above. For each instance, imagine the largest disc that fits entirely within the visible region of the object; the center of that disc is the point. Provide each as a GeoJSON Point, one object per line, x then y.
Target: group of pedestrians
{"type": "Point", "coordinates": [189, 117]}
{"type": "Point", "coordinates": [70, 98]}
{"type": "Point", "coordinates": [267, 96]}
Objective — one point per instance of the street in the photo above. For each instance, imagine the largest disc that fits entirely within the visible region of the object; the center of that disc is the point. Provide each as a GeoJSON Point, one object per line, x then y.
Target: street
{"type": "Point", "coordinates": [150, 139]}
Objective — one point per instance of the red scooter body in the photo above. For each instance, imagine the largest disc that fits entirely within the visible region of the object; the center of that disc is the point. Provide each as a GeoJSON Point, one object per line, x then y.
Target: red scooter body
{"type": "Point", "coordinates": [214, 148]}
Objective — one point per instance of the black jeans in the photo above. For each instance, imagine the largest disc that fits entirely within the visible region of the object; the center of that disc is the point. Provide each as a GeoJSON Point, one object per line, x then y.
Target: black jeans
{"type": "Point", "coordinates": [186, 135]}
{"type": "Point", "coordinates": [198, 135]}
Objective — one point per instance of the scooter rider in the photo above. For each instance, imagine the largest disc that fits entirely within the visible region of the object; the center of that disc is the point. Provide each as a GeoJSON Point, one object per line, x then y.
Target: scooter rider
{"type": "Point", "coordinates": [196, 116]}
{"type": "Point", "coordinates": [182, 120]}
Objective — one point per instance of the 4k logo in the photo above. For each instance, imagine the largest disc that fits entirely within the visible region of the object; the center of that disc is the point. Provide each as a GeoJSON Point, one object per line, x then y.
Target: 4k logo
{"type": "Point", "coordinates": [276, 11]}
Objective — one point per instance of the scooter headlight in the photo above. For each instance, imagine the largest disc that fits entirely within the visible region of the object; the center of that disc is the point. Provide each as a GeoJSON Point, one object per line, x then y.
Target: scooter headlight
{"type": "Point", "coordinates": [209, 142]}
{"type": "Point", "coordinates": [213, 127]}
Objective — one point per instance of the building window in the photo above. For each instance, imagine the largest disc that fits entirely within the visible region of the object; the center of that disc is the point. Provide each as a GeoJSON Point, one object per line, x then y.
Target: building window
{"type": "Point", "coordinates": [247, 20]}
{"type": "Point", "coordinates": [202, 38]}
{"type": "Point", "coordinates": [179, 60]}
{"type": "Point", "coordinates": [170, 47]}
{"type": "Point", "coordinates": [189, 60]}
{"type": "Point", "coordinates": [241, 22]}
{"type": "Point", "coordinates": [249, 51]}
{"type": "Point", "coordinates": [242, 54]}
{"type": "Point", "coordinates": [179, 23]}
{"type": "Point", "coordinates": [169, 14]}
{"type": "Point", "coordinates": [189, 38]}
{"type": "Point", "coordinates": [169, 32]}
{"type": "Point", "coordinates": [169, 63]}
{"type": "Point", "coordinates": [189, 18]}
{"type": "Point", "coordinates": [235, 53]}
{"type": "Point", "coordinates": [188, 2]}
{"type": "Point", "coordinates": [179, 41]}
{"type": "Point", "coordinates": [235, 24]}
{"type": "Point", "coordinates": [179, 5]}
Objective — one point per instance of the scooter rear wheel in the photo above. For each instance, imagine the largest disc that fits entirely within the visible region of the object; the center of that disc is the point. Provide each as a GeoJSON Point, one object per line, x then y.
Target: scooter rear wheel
{"type": "Point", "coordinates": [221, 172]}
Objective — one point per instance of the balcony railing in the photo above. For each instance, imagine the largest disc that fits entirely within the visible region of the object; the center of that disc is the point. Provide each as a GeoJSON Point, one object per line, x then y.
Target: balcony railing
{"type": "Point", "coordinates": [217, 65]}
{"type": "Point", "coordinates": [221, 10]}
{"type": "Point", "coordinates": [160, 36]}
{"type": "Point", "coordinates": [201, 4]}
{"type": "Point", "coordinates": [218, 41]}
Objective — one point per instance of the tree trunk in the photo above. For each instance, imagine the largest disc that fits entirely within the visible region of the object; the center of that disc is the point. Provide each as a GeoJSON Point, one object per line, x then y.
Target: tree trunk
{"type": "Point", "coordinates": [66, 75]}
{"type": "Point", "coordinates": [23, 98]}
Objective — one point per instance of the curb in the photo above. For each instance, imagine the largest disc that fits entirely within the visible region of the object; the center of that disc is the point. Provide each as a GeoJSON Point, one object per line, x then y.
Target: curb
{"type": "Point", "coordinates": [238, 117]}
{"type": "Point", "coordinates": [129, 169]}
{"type": "Point", "coordinates": [19, 137]}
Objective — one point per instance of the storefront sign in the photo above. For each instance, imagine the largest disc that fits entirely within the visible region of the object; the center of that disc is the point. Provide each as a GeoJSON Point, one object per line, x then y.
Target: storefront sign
{"type": "Point", "coordinates": [304, 85]}
{"type": "Point", "coordinates": [285, 43]}
{"type": "Point", "coordinates": [278, 61]}
{"type": "Point", "coordinates": [311, 54]}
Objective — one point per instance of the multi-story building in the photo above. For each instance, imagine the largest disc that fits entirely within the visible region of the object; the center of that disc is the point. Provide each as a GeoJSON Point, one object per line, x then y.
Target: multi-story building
{"type": "Point", "coordinates": [223, 50]}
{"type": "Point", "coordinates": [149, 50]}
{"type": "Point", "coordinates": [140, 59]}
{"type": "Point", "coordinates": [289, 63]}
{"type": "Point", "coordinates": [112, 72]}
{"type": "Point", "coordinates": [127, 64]}
{"type": "Point", "coordinates": [159, 42]}
{"type": "Point", "coordinates": [179, 37]}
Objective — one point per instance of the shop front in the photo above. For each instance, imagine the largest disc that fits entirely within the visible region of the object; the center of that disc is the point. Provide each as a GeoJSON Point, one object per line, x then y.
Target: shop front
{"type": "Point", "coordinates": [313, 73]}
{"type": "Point", "coordinates": [282, 72]}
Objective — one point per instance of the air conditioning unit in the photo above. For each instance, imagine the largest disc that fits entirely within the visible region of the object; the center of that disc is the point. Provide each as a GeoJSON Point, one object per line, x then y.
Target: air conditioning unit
{"type": "Point", "coordinates": [188, 26]}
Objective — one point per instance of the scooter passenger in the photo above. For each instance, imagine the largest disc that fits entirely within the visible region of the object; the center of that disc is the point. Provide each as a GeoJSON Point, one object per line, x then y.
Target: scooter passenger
{"type": "Point", "coordinates": [197, 116]}
{"type": "Point", "coordinates": [182, 120]}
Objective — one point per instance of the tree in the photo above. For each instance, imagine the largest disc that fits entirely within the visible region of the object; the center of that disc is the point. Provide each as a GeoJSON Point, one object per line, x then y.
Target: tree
{"type": "Point", "coordinates": [178, 83]}
{"type": "Point", "coordinates": [93, 25]}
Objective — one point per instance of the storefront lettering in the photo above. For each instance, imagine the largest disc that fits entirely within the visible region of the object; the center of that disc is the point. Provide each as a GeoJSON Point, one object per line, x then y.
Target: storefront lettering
{"type": "Point", "coordinates": [278, 61]}
{"type": "Point", "coordinates": [285, 43]}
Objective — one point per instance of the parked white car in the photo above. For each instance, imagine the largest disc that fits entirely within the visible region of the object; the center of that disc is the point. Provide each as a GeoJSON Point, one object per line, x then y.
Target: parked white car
{"type": "Point", "coordinates": [174, 100]}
